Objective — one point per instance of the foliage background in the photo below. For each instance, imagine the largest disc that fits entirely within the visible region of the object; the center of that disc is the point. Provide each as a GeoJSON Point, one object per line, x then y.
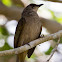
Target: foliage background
{"type": "Point", "coordinates": [8, 26]}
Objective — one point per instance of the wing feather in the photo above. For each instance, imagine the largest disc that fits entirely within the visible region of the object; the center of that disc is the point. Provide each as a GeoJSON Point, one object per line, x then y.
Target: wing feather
{"type": "Point", "coordinates": [19, 30]}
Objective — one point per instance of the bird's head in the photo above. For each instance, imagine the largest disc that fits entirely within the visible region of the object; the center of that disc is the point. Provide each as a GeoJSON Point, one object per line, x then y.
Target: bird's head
{"type": "Point", "coordinates": [31, 9]}
{"type": "Point", "coordinates": [34, 6]}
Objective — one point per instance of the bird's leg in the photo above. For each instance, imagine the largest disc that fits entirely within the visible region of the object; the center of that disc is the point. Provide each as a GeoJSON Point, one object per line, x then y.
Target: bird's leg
{"type": "Point", "coordinates": [41, 36]}
{"type": "Point", "coordinates": [28, 44]}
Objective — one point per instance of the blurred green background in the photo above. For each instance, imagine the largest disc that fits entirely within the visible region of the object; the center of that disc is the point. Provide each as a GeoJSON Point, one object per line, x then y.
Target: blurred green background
{"type": "Point", "coordinates": [50, 10]}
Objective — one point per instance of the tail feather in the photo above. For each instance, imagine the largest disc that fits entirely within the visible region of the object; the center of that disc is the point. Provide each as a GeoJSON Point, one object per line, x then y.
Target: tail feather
{"type": "Point", "coordinates": [21, 57]}
{"type": "Point", "coordinates": [30, 52]}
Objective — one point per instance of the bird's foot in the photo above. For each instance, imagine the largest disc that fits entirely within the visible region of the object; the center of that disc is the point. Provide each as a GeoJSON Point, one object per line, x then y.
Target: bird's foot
{"type": "Point", "coordinates": [41, 36]}
{"type": "Point", "coordinates": [28, 44]}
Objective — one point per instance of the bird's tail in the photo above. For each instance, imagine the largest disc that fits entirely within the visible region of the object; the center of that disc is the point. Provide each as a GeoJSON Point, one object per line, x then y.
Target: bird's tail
{"type": "Point", "coordinates": [21, 57]}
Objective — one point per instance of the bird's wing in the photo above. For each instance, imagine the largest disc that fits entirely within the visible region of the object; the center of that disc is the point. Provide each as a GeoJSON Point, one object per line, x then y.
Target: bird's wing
{"type": "Point", "coordinates": [18, 32]}
{"type": "Point", "coordinates": [30, 51]}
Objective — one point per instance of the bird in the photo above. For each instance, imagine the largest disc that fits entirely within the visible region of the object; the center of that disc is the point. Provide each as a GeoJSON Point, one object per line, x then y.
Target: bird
{"type": "Point", "coordinates": [28, 29]}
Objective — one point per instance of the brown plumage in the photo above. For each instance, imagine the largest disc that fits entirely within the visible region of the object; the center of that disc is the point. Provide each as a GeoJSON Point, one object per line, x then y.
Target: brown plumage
{"type": "Point", "coordinates": [28, 29]}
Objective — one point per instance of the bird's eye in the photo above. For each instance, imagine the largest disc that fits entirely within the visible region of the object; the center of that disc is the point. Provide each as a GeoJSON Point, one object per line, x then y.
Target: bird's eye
{"type": "Point", "coordinates": [33, 5]}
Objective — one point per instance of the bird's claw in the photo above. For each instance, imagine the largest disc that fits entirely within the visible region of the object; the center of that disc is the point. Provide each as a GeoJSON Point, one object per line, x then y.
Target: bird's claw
{"type": "Point", "coordinates": [28, 44]}
{"type": "Point", "coordinates": [41, 36]}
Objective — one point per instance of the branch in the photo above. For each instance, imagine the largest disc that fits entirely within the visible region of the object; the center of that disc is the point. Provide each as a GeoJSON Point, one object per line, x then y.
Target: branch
{"type": "Point", "coordinates": [25, 2]}
{"type": "Point", "coordinates": [11, 12]}
{"type": "Point", "coordinates": [18, 2]}
{"type": "Point", "coordinates": [31, 44]}
{"type": "Point", "coordinates": [55, 1]}
{"type": "Point", "coordinates": [51, 25]}
{"type": "Point", "coordinates": [54, 50]}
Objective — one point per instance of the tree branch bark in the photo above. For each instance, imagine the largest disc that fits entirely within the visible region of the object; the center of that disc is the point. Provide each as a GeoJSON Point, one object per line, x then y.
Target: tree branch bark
{"type": "Point", "coordinates": [51, 25]}
{"type": "Point", "coordinates": [60, 1]}
{"type": "Point", "coordinates": [11, 12]}
{"type": "Point", "coordinates": [18, 2]}
{"type": "Point", "coordinates": [31, 44]}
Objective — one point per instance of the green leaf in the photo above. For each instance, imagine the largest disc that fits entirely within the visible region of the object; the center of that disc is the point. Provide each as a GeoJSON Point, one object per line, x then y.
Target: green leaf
{"type": "Point", "coordinates": [59, 19]}
{"type": "Point", "coordinates": [5, 47]}
{"type": "Point", "coordinates": [52, 13]}
{"type": "Point", "coordinates": [3, 30]}
{"type": "Point", "coordinates": [7, 2]}
{"type": "Point", "coordinates": [33, 56]}
{"type": "Point", "coordinates": [49, 51]}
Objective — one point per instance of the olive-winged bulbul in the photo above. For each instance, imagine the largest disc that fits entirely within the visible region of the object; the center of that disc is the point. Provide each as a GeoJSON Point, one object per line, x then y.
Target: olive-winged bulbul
{"type": "Point", "coordinates": [27, 30]}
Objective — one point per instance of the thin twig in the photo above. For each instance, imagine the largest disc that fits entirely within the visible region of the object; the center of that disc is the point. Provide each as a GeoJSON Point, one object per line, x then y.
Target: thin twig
{"type": "Point", "coordinates": [53, 51]}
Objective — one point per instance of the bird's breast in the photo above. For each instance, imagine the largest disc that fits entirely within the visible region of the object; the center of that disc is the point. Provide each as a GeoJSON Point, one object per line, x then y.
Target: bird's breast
{"type": "Point", "coordinates": [31, 30]}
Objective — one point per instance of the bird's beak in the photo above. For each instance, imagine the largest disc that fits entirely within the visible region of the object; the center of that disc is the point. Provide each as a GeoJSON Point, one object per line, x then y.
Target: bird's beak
{"type": "Point", "coordinates": [39, 5]}
{"type": "Point", "coordinates": [36, 7]}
